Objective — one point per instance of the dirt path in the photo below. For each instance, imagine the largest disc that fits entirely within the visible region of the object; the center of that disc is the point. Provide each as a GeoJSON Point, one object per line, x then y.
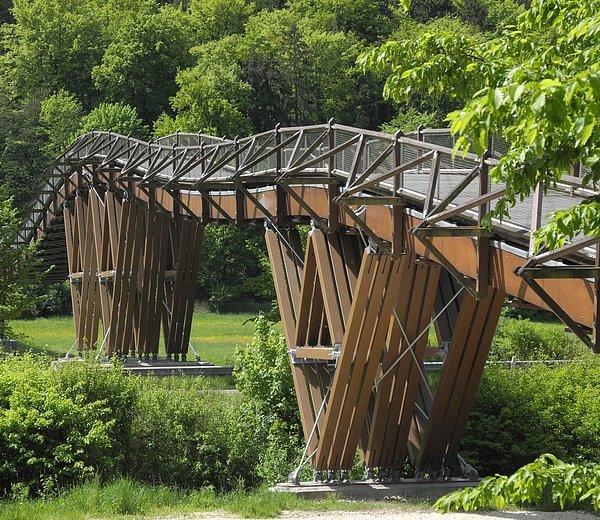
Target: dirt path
{"type": "Point", "coordinates": [398, 514]}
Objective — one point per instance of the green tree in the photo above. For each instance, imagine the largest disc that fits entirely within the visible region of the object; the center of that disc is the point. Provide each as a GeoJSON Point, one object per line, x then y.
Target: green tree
{"type": "Point", "coordinates": [22, 145]}
{"type": "Point", "coordinates": [54, 44]}
{"type": "Point", "coordinates": [212, 97]}
{"type": "Point", "coordinates": [215, 19]}
{"type": "Point", "coordinates": [230, 270]}
{"type": "Point", "coordinates": [60, 117]}
{"type": "Point", "coordinates": [18, 275]}
{"type": "Point", "coordinates": [299, 74]}
{"type": "Point", "coordinates": [368, 19]}
{"type": "Point", "coordinates": [538, 85]}
{"type": "Point", "coordinates": [118, 117]}
{"type": "Point", "coordinates": [141, 62]}
{"type": "Point", "coordinates": [489, 15]}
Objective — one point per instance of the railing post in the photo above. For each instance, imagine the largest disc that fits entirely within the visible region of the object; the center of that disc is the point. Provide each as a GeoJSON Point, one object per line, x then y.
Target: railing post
{"type": "Point", "coordinates": [333, 187]}
{"type": "Point", "coordinates": [483, 242]}
{"type": "Point", "coordinates": [281, 210]}
{"type": "Point", "coordinates": [240, 199]}
{"type": "Point", "coordinates": [536, 215]}
{"type": "Point", "coordinates": [398, 238]}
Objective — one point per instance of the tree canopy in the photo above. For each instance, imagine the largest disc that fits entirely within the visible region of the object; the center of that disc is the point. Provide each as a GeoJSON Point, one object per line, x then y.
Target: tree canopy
{"type": "Point", "coordinates": [537, 84]}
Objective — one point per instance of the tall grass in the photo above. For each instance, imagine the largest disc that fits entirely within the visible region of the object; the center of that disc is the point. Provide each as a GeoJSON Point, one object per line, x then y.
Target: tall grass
{"type": "Point", "coordinates": [127, 497]}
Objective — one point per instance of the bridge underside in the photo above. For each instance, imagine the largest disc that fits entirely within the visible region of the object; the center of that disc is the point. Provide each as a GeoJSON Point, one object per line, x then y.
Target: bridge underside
{"type": "Point", "coordinates": [396, 256]}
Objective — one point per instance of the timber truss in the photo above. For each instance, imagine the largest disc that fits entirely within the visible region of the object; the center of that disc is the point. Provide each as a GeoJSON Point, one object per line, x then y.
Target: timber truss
{"type": "Point", "coordinates": [397, 249]}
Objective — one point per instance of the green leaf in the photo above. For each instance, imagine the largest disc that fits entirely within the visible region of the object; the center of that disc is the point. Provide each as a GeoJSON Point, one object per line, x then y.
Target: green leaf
{"type": "Point", "coordinates": [585, 134]}
{"type": "Point", "coordinates": [539, 103]}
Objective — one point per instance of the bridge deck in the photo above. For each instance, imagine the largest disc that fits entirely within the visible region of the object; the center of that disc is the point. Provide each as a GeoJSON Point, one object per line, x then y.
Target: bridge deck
{"type": "Point", "coordinates": [312, 169]}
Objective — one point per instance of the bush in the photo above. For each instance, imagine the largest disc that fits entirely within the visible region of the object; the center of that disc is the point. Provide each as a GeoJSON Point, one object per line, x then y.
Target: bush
{"type": "Point", "coordinates": [58, 427]}
{"type": "Point", "coordinates": [521, 413]}
{"type": "Point", "coordinates": [52, 300]}
{"type": "Point", "coordinates": [264, 379]}
{"type": "Point", "coordinates": [527, 340]}
{"type": "Point", "coordinates": [191, 437]}
{"type": "Point", "coordinates": [547, 483]}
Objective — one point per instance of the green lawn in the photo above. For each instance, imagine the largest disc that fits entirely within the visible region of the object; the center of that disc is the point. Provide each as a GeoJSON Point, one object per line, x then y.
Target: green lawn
{"type": "Point", "coordinates": [214, 336]}
{"type": "Point", "coordinates": [125, 498]}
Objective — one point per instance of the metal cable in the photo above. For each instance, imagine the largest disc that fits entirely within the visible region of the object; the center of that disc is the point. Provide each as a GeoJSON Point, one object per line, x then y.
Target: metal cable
{"type": "Point", "coordinates": [411, 345]}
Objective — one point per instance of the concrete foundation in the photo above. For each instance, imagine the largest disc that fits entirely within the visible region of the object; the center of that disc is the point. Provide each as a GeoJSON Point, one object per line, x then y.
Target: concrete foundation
{"type": "Point", "coordinates": [363, 490]}
{"type": "Point", "coordinates": [164, 367]}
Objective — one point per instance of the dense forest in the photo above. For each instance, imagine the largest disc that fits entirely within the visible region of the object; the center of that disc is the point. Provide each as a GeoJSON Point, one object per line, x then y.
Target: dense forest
{"type": "Point", "coordinates": [224, 67]}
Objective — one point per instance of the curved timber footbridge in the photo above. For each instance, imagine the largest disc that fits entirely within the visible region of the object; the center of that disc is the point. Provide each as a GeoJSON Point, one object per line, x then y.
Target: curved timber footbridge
{"type": "Point", "coordinates": [396, 246]}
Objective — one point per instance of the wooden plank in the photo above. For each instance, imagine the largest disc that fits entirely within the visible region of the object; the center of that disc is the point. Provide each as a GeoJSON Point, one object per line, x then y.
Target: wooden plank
{"type": "Point", "coordinates": [420, 315]}
{"type": "Point", "coordinates": [309, 280]}
{"type": "Point", "coordinates": [460, 377]}
{"type": "Point", "coordinates": [293, 269]}
{"type": "Point", "coordinates": [325, 353]}
{"type": "Point", "coordinates": [71, 244]}
{"type": "Point", "coordinates": [136, 249]}
{"type": "Point", "coordinates": [483, 344]}
{"type": "Point", "coordinates": [174, 342]}
{"type": "Point", "coordinates": [340, 273]}
{"type": "Point", "coordinates": [345, 365]}
{"type": "Point", "coordinates": [392, 351]}
{"type": "Point", "coordinates": [329, 288]}
{"type": "Point", "coordinates": [148, 263]}
{"type": "Point", "coordinates": [161, 254]}
{"type": "Point", "coordinates": [276, 250]}
{"type": "Point", "coordinates": [318, 380]}
{"type": "Point", "coordinates": [284, 299]}
{"type": "Point", "coordinates": [442, 398]}
{"type": "Point", "coordinates": [192, 283]}
{"type": "Point", "coordinates": [123, 230]}
{"type": "Point", "coordinates": [385, 291]}
{"type": "Point", "coordinates": [101, 250]}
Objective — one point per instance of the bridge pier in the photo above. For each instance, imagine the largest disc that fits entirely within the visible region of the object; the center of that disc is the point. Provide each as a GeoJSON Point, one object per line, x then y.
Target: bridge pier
{"type": "Point", "coordinates": [357, 341]}
{"type": "Point", "coordinates": [131, 268]}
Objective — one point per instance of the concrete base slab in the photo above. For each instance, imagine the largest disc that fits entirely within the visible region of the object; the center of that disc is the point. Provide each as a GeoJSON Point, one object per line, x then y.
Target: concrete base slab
{"type": "Point", "coordinates": [164, 367]}
{"type": "Point", "coordinates": [362, 490]}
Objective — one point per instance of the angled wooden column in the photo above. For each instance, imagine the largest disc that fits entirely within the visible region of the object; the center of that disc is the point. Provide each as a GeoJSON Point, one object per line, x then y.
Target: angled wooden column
{"type": "Point", "coordinates": [129, 247]}
{"type": "Point", "coordinates": [89, 308]}
{"type": "Point", "coordinates": [401, 370]}
{"type": "Point", "coordinates": [368, 323]}
{"type": "Point", "coordinates": [103, 258]}
{"type": "Point", "coordinates": [471, 341]}
{"type": "Point", "coordinates": [72, 244]}
{"type": "Point", "coordinates": [151, 297]}
{"type": "Point", "coordinates": [184, 287]}
{"type": "Point", "coordinates": [287, 268]}
{"type": "Point", "coordinates": [331, 267]}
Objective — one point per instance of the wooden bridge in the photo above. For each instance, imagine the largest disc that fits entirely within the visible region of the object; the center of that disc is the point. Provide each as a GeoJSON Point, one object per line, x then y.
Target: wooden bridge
{"type": "Point", "coordinates": [397, 245]}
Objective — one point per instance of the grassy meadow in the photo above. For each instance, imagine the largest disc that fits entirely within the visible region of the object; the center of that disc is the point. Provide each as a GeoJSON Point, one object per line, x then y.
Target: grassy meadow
{"type": "Point", "coordinates": [127, 498]}
{"type": "Point", "coordinates": [214, 336]}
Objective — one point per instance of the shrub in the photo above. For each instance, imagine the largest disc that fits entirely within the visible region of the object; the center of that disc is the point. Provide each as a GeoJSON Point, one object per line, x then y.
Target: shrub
{"type": "Point", "coordinates": [58, 427]}
{"type": "Point", "coordinates": [264, 379]}
{"type": "Point", "coordinates": [523, 412]}
{"type": "Point", "coordinates": [191, 437]}
{"type": "Point", "coordinates": [527, 340]}
{"type": "Point", "coordinates": [546, 483]}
